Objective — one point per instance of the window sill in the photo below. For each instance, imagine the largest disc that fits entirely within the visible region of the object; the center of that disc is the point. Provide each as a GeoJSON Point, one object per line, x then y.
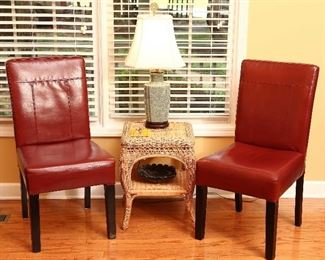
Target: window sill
{"type": "Point", "coordinates": [6, 129]}
{"type": "Point", "coordinates": [201, 128]}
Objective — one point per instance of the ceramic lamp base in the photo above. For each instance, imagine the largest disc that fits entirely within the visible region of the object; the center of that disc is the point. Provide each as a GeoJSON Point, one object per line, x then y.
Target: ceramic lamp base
{"type": "Point", "coordinates": [156, 96]}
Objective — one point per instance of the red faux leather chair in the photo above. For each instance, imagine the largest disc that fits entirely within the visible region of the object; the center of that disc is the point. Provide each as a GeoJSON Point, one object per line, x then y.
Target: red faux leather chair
{"type": "Point", "coordinates": [51, 122]}
{"type": "Point", "coordinates": [272, 127]}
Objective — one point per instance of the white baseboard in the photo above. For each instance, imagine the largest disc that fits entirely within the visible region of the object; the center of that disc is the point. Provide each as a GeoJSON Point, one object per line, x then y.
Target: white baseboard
{"type": "Point", "coordinates": [312, 189]}
{"type": "Point", "coordinates": [11, 191]}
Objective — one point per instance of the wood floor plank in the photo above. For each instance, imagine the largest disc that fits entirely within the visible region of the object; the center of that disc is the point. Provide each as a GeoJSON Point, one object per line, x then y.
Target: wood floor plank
{"type": "Point", "coordinates": [161, 229]}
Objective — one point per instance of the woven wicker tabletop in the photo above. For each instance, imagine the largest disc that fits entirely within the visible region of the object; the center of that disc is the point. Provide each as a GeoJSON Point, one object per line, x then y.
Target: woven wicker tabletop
{"type": "Point", "coordinates": [176, 134]}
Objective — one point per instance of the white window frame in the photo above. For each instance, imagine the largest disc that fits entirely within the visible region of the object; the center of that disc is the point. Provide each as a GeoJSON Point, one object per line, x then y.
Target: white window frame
{"type": "Point", "coordinates": [201, 127]}
{"type": "Point", "coordinates": [112, 127]}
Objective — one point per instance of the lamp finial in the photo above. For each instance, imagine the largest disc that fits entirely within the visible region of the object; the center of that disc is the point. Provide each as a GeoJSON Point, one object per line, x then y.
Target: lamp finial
{"type": "Point", "coordinates": [153, 8]}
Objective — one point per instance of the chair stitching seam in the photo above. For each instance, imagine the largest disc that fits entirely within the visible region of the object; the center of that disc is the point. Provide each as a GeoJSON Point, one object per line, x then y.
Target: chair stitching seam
{"type": "Point", "coordinates": [69, 104]}
{"type": "Point", "coordinates": [268, 83]}
{"type": "Point", "coordinates": [34, 108]}
{"type": "Point", "coordinates": [49, 80]}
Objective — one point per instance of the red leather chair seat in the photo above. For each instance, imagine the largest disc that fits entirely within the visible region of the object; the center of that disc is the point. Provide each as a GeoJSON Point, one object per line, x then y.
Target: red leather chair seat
{"type": "Point", "coordinates": [65, 165]}
{"type": "Point", "coordinates": [252, 170]}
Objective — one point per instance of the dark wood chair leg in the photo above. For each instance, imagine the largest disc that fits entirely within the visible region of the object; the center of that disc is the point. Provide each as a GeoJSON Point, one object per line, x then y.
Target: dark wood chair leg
{"type": "Point", "coordinates": [270, 229]}
{"type": "Point", "coordinates": [239, 202]}
{"type": "Point", "coordinates": [200, 211]}
{"type": "Point", "coordinates": [35, 223]}
{"type": "Point", "coordinates": [298, 201]}
{"type": "Point", "coordinates": [87, 197]}
{"type": "Point", "coordinates": [23, 194]}
{"type": "Point", "coordinates": [110, 210]}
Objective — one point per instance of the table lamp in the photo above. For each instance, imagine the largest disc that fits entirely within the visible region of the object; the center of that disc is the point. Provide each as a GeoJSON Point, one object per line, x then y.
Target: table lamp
{"type": "Point", "coordinates": [154, 48]}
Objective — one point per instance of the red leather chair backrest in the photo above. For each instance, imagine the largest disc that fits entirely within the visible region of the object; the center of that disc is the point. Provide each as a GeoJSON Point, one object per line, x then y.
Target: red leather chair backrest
{"type": "Point", "coordinates": [275, 103]}
{"type": "Point", "coordinates": [49, 99]}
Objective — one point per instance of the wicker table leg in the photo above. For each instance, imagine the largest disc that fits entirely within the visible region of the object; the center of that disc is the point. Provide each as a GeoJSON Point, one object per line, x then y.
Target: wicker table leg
{"type": "Point", "coordinates": [189, 206]}
{"type": "Point", "coordinates": [128, 208]}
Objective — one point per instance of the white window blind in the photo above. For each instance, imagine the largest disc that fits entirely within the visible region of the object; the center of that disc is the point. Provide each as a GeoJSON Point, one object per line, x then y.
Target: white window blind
{"type": "Point", "coordinates": [204, 34]}
{"type": "Point", "coordinates": [44, 28]}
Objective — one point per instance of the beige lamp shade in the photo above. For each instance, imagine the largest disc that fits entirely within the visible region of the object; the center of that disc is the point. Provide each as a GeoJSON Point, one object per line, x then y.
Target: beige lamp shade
{"type": "Point", "coordinates": [154, 44]}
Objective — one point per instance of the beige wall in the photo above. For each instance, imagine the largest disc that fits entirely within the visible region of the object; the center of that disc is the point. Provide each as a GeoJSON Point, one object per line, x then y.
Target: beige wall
{"type": "Point", "coordinates": [283, 30]}
{"type": "Point", "coordinates": [294, 30]}
{"type": "Point", "coordinates": [9, 170]}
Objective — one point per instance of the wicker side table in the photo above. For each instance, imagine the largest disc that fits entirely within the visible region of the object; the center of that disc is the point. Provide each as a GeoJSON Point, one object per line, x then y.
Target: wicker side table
{"type": "Point", "coordinates": [140, 143]}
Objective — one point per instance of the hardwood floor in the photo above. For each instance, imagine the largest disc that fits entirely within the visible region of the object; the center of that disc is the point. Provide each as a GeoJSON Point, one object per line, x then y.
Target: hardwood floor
{"type": "Point", "coordinates": [160, 229]}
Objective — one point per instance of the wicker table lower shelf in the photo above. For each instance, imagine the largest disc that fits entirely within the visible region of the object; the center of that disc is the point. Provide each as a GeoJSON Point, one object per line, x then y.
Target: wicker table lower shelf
{"type": "Point", "coordinates": [175, 186]}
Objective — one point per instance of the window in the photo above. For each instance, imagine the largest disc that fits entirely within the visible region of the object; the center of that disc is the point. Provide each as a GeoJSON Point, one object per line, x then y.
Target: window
{"type": "Point", "coordinates": [207, 33]}
{"type": "Point", "coordinates": [43, 28]}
